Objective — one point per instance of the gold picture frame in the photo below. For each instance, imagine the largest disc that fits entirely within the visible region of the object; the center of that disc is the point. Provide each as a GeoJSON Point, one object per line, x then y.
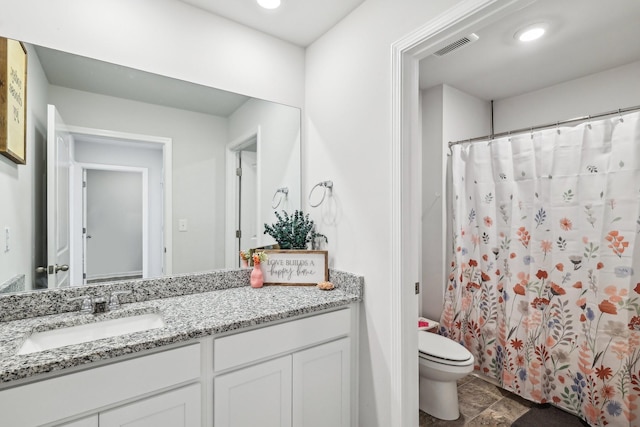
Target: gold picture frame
{"type": "Point", "coordinates": [13, 100]}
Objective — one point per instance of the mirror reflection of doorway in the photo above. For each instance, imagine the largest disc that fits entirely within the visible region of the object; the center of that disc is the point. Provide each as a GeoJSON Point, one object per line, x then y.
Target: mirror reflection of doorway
{"type": "Point", "coordinates": [114, 224]}
{"type": "Point", "coordinates": [247, 197]}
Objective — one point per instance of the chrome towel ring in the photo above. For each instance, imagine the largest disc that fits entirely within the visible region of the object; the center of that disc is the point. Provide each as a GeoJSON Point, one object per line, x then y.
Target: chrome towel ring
{"type": "Point", "coordinates": [283, 191]}
{"type": "Point", "coordinates": [327, 185]}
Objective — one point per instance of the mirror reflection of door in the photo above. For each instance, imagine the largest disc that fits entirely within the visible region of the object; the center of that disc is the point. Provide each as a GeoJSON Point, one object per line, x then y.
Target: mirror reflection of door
{"type": "Point", "coordinates": [114, 224]}
{"type": "Point", "coordinates": [59, 143]}
{"type": "Point", "coordinates": [247, 196]}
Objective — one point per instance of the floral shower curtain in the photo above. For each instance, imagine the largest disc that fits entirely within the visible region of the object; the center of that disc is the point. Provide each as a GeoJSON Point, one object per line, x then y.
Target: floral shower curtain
{"type": "Point", "coordinates": [544, 287]}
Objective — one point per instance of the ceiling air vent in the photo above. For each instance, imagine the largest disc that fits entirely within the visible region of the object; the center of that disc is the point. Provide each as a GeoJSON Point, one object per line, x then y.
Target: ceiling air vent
{"type": "Point", "coordinates": [457, 44]}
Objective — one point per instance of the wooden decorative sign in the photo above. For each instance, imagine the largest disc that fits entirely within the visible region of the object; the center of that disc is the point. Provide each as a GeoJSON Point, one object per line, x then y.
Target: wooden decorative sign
{"type": "Point", "coordinates": [13, 100]}
{"type": "Point", "coordinates": [295, 267]}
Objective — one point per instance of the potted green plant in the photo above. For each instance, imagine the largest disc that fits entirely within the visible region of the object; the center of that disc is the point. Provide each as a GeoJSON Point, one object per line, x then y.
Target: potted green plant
{"type": "Point", "coordinates": [294, 231]}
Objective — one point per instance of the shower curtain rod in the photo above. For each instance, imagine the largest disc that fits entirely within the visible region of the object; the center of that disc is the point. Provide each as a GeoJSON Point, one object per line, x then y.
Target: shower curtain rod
{"type": "Point", "coordinates": [550, 125]}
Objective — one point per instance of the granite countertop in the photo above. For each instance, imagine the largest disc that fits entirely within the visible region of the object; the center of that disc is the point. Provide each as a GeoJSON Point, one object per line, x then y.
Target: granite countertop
{"type": "Point", "coordinates": [186, 317]}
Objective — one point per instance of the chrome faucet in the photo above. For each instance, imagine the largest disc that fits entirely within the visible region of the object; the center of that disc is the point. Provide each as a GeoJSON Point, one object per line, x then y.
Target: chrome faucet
{"type": "Point", "coordinates": [114, 301]}
{"type": "Point", "coordinates": [97, 305]}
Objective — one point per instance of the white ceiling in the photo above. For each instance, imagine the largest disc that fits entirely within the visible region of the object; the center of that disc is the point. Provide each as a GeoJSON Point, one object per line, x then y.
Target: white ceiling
{"type": "Point", "coordinates": [585, 37]}
{"type": "Point", "coordinates": [300, 22]}
{"type": "Point", "coordinates": [89, 75]}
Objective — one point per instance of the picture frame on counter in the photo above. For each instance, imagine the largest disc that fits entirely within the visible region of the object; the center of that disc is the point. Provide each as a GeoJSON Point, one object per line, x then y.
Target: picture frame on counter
{"type": "Point", "coordinates": [13, 100]}
{"type": "Point", "coordinates": [295, 267]}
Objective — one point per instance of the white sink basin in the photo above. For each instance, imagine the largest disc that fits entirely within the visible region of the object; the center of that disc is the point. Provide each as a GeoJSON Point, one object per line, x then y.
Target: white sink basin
{"type": "Point", "coordinates": [54, 338]}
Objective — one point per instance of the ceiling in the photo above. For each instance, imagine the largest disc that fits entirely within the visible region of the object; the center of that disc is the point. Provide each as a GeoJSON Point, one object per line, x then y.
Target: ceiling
{"type": "Point", "coordinates": [584, 37]}
{"type": "Point", "coordinates": [299, 22]}
{"type": "Point", "coordinates": [90, 75]}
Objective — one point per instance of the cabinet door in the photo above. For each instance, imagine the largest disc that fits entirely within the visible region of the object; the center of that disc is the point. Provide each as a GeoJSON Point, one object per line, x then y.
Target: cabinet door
{"type": "Point", "coordinates": [91, 421]}
{"type": "Point", "coordinates": [321, 385]}
{"type": "Point", "coordinates": [177, 408]}
{"type": "Point", "coordinates": [259, 395]}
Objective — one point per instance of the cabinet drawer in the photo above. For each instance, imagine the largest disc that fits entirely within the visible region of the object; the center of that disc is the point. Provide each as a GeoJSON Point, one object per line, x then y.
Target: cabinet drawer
{"type": "Point", "coordinates": [89, 390]}
{"type": "Point", "coordinates": [246, 347]}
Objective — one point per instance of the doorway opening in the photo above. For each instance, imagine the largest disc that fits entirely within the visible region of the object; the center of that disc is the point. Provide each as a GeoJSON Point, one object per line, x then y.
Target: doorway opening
{"type": "Point", "coordinates": [81, 156]}
{"type": "Point", "coordinates": [243, 188]}
{"type": "Point", "coordinates": [406, 188]}
{"type": "Point", "coordinates": [119, 200]}
{"type": "Point", "coordinates": [115, 223]}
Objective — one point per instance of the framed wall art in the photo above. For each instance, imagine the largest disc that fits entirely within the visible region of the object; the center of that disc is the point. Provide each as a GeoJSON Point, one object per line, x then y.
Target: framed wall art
{"type": "Point", "coordinates": [13, 100]}
{"type": "Point", "coordinates": [295, 267]}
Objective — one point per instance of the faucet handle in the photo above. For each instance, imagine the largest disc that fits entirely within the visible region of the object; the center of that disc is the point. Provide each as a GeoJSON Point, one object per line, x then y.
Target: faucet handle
{"type": "Point", "coordinates": [87, 303]}
{"type": "Point", "coordinates": [114, 301]}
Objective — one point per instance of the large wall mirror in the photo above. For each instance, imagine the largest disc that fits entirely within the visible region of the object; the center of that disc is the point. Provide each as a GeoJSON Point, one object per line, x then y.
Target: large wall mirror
{"type": "Point", "coordinates": [136, 175]}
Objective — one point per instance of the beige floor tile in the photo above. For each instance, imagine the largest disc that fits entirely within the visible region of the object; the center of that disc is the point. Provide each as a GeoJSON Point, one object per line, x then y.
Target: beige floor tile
{"type": "Point", "coordinates": [481, 404]}
{"type": "Point", "coordinates": [476, 396]}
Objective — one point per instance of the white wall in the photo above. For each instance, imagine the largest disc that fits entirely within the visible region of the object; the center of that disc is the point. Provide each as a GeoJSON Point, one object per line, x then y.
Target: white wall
{"type": "Point", "coordinates": [17, 182]}
{"type": "Point", "coordinates": [198, 165]}
{"type": "Point", "coordinates": [597, 93]}
{"type": "Point", "coordinates": [448, 114]}
{"type": "Point", "coordinates": [278, 155]}
{"type": "Point", "coordinates": [166, 37]}
{"type": "Point", "coordinates": [348, 140]}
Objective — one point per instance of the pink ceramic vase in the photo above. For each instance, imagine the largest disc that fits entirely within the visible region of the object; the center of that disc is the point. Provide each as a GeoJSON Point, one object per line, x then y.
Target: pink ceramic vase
{"type": "Point", "coordinates": [257, 279]}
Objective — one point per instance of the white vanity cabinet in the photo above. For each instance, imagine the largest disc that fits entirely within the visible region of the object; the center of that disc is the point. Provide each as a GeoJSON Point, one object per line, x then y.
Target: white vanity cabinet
{"type": "Point", "coordinates": [259, 395]}
{"type": "Point", "coordinates": [139, 387]}
{"type": "Point", "coordinates": [297, 372]}
{"type": "Point", "coordinates": [322, 385]}
{"type": "Point", "coordinates": [292, 374]}
{"type": "Point", "coordinates": [176, 408]}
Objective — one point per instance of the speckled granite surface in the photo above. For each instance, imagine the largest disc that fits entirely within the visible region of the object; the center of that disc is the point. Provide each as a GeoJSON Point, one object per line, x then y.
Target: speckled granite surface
{"type": "Point", "coordinates": [54, 301]}
{"type": "Point", "coordinates": [230, 305]}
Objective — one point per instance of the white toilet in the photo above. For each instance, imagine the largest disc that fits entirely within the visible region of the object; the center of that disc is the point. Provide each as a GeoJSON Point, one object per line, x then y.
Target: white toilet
{"type": "Point", "coordinates": [441, 363]}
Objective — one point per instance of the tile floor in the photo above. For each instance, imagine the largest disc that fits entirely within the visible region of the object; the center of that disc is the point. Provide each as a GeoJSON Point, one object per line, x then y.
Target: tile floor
{"type": "Point", "coordinates": [482, 404]}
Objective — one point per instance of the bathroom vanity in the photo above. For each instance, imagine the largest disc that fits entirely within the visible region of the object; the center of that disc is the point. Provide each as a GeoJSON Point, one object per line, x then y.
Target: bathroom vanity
{"type": "Point", "coordinates": [276, 356]}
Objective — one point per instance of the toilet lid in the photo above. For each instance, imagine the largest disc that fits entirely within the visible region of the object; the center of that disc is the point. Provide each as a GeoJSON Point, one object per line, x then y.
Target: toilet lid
{"type": "Point", "coordinates": [441, 347]}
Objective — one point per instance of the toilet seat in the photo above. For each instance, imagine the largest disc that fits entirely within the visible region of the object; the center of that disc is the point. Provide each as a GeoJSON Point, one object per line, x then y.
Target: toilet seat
{"type": "Point", "coordinates": [439, 349]}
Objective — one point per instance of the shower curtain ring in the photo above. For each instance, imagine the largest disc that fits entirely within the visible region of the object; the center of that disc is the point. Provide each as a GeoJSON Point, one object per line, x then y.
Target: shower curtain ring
{"type": "Point", "coordinates": [620, 115]}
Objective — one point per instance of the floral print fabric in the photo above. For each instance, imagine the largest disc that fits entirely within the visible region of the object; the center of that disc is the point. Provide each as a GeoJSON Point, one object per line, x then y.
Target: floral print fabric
{"type": "Point", "coordinates": [544, 287]}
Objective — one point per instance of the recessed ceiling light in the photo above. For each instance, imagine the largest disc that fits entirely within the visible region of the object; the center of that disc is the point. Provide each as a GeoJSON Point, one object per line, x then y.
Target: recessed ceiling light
{"type": "Point", "coordinates": [531, 32]}
{"type": "Point", "coordinates": [269, 4]}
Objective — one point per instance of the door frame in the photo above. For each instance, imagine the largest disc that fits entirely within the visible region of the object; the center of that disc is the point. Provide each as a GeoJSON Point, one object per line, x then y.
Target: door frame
{"type": "Point", "coordinates": [232, 196]}
{"type": "Point", "coordinates": [166, 145]}
{"type": "Point", "coordinates": [406, 147]}
{"type": "Point", "coordinates": [79, 221]}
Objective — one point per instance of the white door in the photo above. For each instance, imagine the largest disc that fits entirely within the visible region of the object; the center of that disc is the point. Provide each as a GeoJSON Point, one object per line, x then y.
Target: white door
{"type": "Point", "coordinates": [59, 142]}
{"type": "Point", "coordinates": [177, 408]}
{"type": "Point", "coordinates": [321, 385]}
{"type": "Point", "coordinates": [259, 395]}
{"type": "Point", "coordinates": [248, 199]}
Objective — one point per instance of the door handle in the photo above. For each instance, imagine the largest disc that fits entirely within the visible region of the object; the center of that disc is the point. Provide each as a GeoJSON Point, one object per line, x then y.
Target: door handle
{"type": "Point", "coordinates": [41, 270]}
{"type": "Point", "coordinates": [63, 267]}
